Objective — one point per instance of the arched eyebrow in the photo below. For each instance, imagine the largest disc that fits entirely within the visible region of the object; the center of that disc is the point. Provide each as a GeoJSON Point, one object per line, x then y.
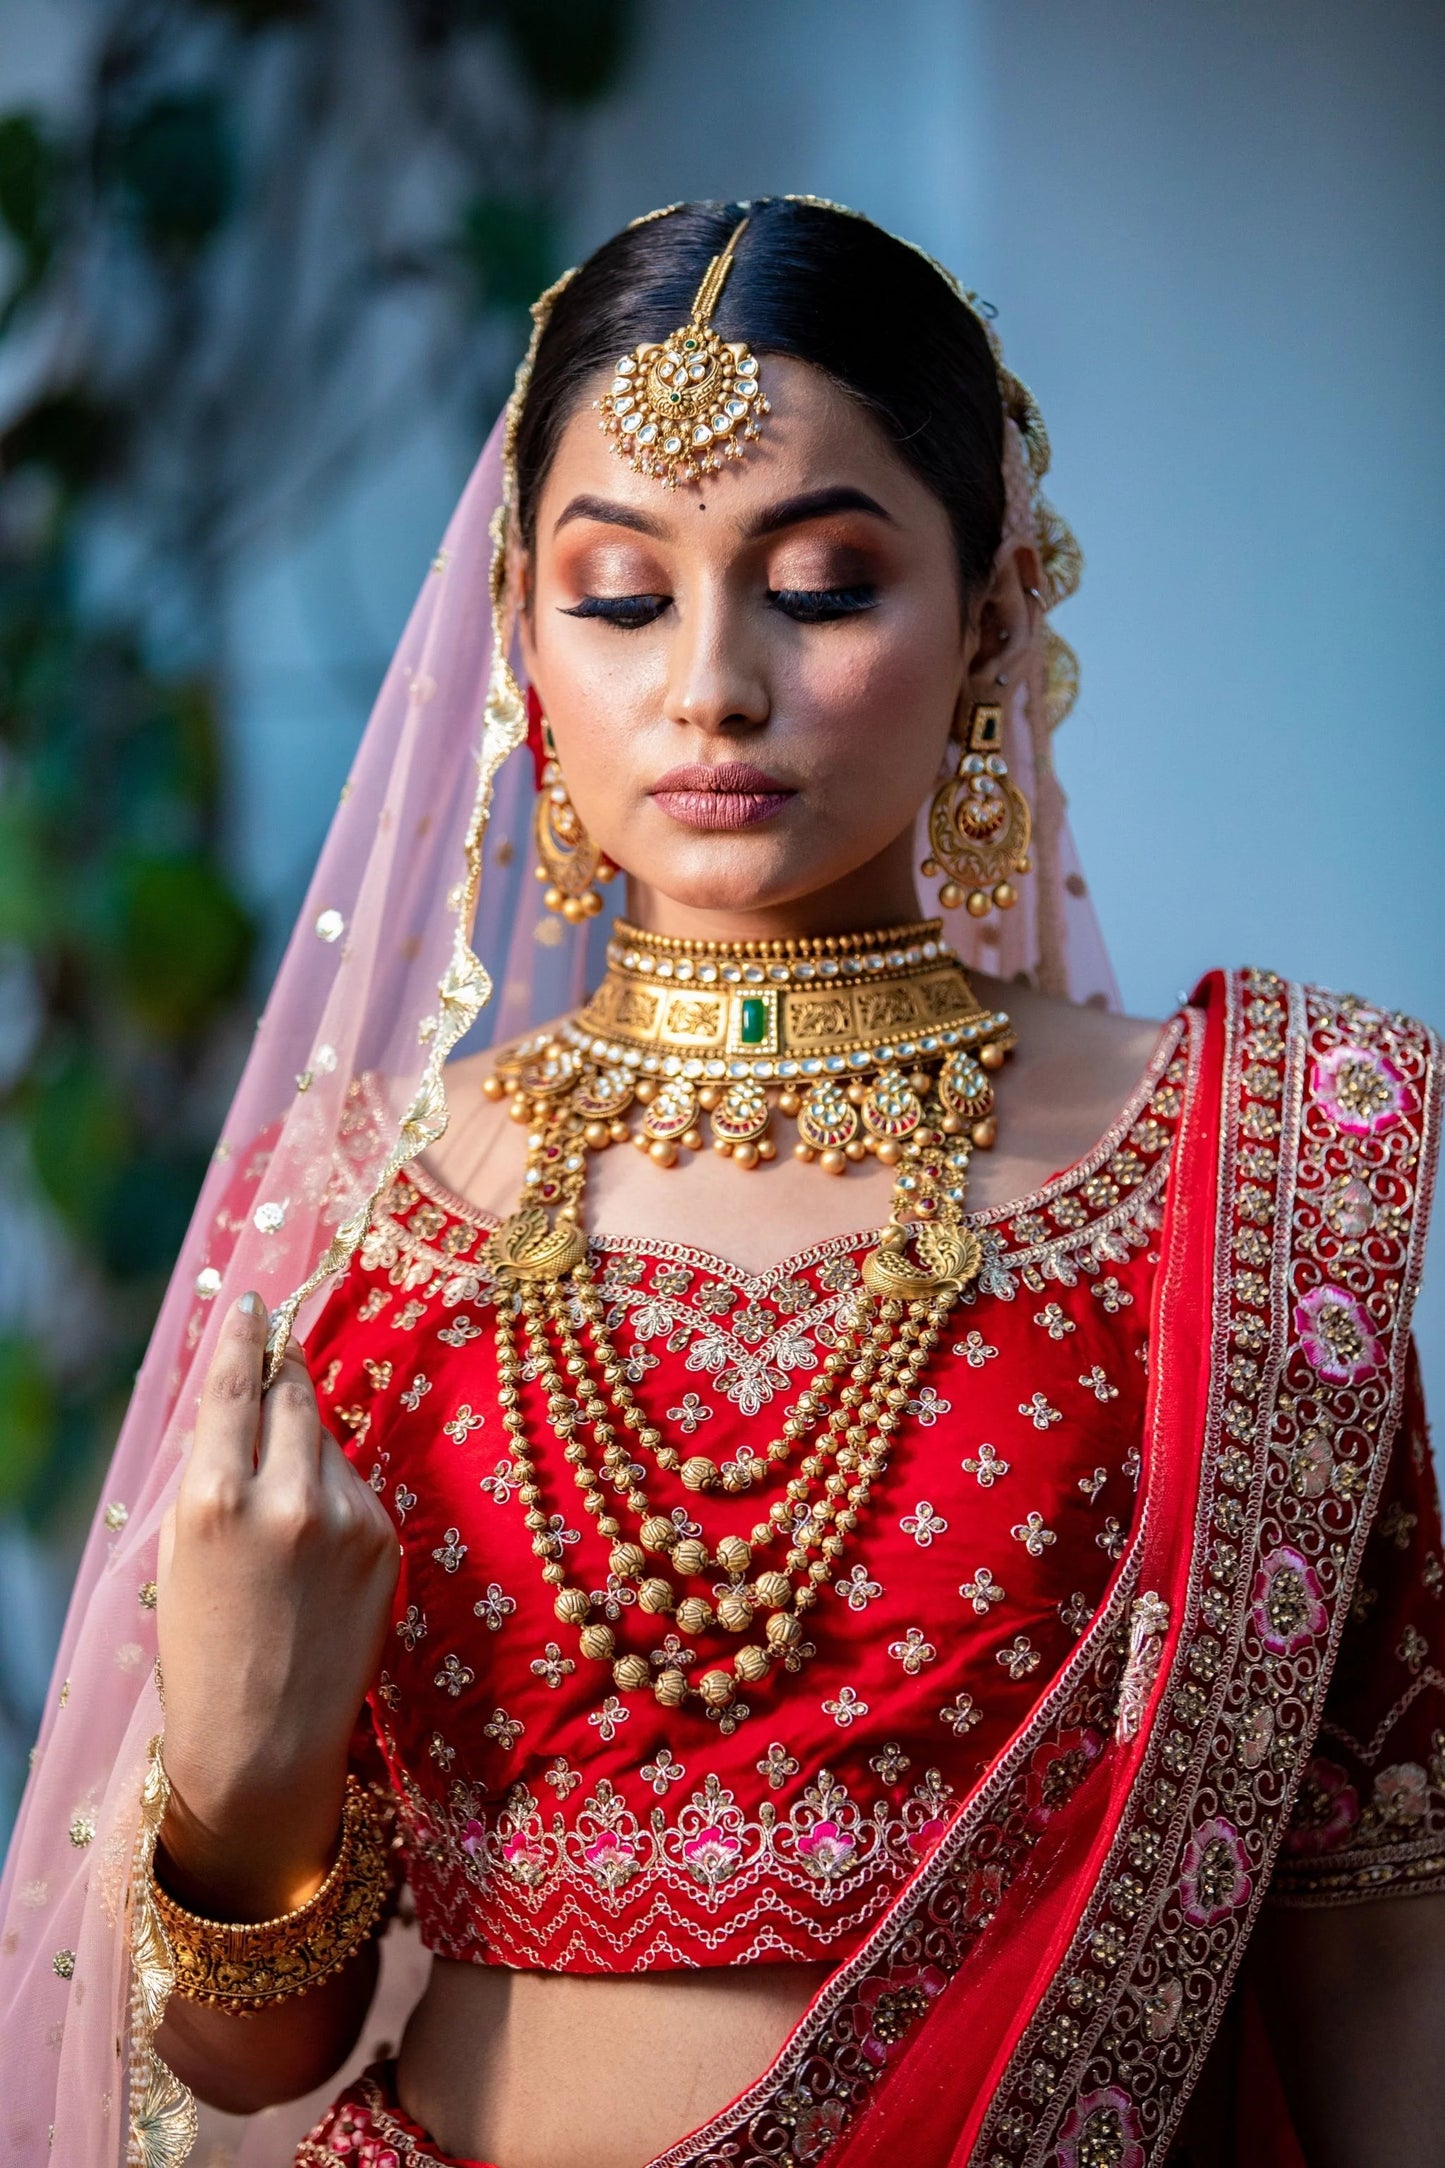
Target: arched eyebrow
{"type": "Point", "coordinates": [789, 512]}
{"type": "Point", "coordinates": [610, 515]}
{"type": "Point", "coordinates": [816, 504]}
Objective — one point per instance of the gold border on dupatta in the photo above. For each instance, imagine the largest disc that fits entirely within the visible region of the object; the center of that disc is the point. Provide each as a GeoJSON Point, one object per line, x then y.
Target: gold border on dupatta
{"type": "Point", "coordinates": [1155, 1955]}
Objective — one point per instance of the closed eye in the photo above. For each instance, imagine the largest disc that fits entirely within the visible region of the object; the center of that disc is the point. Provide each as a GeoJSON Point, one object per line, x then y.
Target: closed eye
{"type": "Point", "coordinates": [629, 613]}
{"type": "Point", "coordinates": [820, 605]}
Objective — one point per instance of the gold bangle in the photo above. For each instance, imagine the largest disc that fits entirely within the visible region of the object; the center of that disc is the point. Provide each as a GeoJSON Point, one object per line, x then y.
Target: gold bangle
{"type": "Point", "coordinates": [254, 1965]}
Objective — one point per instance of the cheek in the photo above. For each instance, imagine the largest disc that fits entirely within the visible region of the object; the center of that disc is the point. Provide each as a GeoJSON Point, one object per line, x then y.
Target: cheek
{"type": "Point", "coordinates": [882, 690]}
{"type": "Point", "coordinates": [599, 690]}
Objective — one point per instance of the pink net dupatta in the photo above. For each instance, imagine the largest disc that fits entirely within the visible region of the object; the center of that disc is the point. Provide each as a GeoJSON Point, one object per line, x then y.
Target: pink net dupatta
{"type": "Point", "coordinates": [422, 928]}
{"type": "Point", "coordinates": [379, 977]}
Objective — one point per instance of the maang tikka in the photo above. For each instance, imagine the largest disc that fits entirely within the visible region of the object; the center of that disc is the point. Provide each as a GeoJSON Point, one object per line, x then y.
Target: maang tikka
{"type": "Point", "coordinates": [677, 410]}
{"type": "Point", "coordinates": [979, 824]}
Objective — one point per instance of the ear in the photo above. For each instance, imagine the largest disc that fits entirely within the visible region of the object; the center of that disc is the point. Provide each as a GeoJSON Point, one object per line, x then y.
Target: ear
{"type": "Point", "coordinates": [1006, 621]}
{"type": "Point", "coordinates": [520, 596]}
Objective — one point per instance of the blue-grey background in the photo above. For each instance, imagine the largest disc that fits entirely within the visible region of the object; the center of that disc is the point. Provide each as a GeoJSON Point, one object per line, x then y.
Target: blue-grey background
{"type": "Point", "coordinates": [1213, 234]}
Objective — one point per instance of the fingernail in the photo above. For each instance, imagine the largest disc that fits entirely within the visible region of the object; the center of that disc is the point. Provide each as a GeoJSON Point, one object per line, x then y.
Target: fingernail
{"type": "Point", "coordinates": [251, 1305]}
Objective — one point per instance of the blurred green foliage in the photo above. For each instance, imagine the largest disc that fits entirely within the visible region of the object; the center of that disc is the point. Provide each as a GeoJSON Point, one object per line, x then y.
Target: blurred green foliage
{"type": "Point", "coordinates": [158, 253]}
{"type": "Point", "coordinates": [125, 948]}
{"type": "Point", "coordinates": [175, 167]}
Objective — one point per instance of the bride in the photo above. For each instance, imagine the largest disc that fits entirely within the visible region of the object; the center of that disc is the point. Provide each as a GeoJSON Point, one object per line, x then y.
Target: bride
{"type": "Point", "coordinates": [845, 1529]}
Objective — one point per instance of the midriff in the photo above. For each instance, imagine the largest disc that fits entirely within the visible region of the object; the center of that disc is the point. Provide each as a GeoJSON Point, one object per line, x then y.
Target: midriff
{"type": "Point", "coordinates": [554, 2070]}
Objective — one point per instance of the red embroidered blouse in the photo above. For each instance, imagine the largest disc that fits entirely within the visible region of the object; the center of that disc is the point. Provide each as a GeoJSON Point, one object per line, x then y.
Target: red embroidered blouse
{"type": "Point", "coordinates": [551, 1822]}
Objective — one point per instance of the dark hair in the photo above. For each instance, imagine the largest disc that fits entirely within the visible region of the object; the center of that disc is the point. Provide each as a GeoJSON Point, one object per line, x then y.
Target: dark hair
{"type": "Point", "coordinates": [820, 285]}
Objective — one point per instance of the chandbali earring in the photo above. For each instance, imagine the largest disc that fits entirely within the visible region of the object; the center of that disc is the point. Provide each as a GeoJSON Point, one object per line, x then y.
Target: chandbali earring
{"type": "Point", "coordinates": [979, 822]}
{"type": "Point", "coordinates": [567, 858]}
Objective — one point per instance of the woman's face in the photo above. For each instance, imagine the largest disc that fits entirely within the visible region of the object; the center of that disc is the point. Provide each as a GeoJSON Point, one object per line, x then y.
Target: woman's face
{"type": "Point", "coordinates": [751, 682]}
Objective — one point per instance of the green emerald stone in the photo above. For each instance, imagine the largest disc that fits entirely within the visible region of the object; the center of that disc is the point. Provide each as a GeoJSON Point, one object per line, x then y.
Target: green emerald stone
{"type": "Point", "coordinates": [753, 1020]}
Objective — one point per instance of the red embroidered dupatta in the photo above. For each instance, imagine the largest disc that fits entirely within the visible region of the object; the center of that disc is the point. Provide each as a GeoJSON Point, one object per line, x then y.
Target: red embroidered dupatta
{"type": "Point", "coordinates": [1046, 1987]}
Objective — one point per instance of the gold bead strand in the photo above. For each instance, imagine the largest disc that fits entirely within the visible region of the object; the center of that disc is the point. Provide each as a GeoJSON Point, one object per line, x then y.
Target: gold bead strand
{"type": "Point", "coordinates": [594, 1411]}
{"type": "Point", "coordinates": [571, 1604]}
{"type": "Point", "coordinates": [694, 1614]}
{"type": "Point", "coordinates": [634, 1417]}
{"type": "Point", "coordinates": [523, 1468]}
{"type": "Point", "coordinates": [917, 1344]}
{"type": "Point", "coordinates": [869, 1455]}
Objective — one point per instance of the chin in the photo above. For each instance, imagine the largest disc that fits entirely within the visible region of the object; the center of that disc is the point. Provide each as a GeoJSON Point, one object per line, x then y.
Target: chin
{"type": "Point", "coordinates": [746, 872]}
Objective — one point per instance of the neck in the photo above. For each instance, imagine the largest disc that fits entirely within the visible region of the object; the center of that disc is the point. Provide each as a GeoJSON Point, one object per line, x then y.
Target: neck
{"type": "Point", "coordinates": [881, 893]}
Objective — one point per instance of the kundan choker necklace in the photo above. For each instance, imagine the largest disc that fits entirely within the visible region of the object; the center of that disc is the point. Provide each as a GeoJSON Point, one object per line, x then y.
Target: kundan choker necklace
{"type": "Point", "coordinates": [872, 1044]}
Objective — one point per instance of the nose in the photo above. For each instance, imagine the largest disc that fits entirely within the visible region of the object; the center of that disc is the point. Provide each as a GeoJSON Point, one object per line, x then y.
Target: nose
{"type": "Point", "coordinates": [715, 680]}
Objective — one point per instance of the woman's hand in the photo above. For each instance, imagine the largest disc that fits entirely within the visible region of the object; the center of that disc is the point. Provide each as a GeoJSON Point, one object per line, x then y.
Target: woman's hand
{"type": "Point", "coordinates": [277, 1569]}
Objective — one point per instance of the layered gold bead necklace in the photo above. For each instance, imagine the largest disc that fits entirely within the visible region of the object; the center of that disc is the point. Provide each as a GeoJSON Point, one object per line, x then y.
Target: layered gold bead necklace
{"type": "Point", "coordinates": [873, 1044]}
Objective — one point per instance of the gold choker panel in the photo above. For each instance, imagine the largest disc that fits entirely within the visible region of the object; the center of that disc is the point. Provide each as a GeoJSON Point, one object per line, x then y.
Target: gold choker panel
{"type": "Point", "coordinates": [777, 1010]}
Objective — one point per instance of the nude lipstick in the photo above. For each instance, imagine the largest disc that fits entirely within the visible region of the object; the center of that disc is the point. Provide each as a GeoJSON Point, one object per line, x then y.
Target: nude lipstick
{"type": "Point", "coordinates": [733, 794]}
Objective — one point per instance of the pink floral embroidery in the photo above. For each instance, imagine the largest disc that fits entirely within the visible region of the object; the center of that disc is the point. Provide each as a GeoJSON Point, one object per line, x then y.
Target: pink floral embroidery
{"type": "Point", "coordinates": [1402, 1794]}
{"type": "Point", "coordinates": [1287, 1609]}
{"type": "Point", "coordinates": [473, 1838]}
{"type": "Point", "coordinates": [1326, 1811]}
{"type": "Point", "coordinates": [1337, 1336]}
{"type": "Point", "coordinates": [525, 1860]}
{"type": "Point", "coordinates": [890, 2006]}
{"type": "Point", "coordinates": [1057, 1770]}
{"type": "Point", "coordinates": [612, 1859]}
{"type": "Point", "coordinates": [364, 2131]}
{"type": "Point", "coordinates": [1360, 1091]}
{"type": "Point", "coordinates": [1101, 2128]}
{"type": "Point", "coordinates": [826, 1850]}
{"type": "Point", "coordinates": [815, 2125]}
{"type": "Point", "coordinates": [1214, 1880]}
{"type": "Point", "coordinates": [712, 1855]}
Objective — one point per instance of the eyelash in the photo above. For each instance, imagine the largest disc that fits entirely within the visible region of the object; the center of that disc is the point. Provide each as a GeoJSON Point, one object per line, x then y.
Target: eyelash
{"type": "Point", "coordinates": [805, 605]}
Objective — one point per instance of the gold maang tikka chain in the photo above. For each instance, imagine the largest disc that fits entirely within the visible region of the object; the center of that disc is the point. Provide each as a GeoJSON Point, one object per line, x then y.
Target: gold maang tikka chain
{"type": "Point", "coordinates": [872, 1044]}
{"type": "Point", "coordinates": [677, 409]}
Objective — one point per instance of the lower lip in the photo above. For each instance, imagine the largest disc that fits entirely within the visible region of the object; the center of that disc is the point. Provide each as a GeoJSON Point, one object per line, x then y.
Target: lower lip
{"type": "Point", "coordinates": [722, 808]}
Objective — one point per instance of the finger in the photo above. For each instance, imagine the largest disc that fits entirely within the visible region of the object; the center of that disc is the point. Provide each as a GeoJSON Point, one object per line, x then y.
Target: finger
{"type": "Point", "coordinates": [290, 1419]}
{"type": "Point", "coordinates": [356, 1506]}
{"type": "Point", "coordinates": [229, 1414]}
{"type": "Point", "coordinates": [344, 1479]}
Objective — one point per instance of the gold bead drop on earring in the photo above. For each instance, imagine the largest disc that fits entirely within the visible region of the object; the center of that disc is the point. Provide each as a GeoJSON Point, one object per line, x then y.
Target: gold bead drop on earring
{"type": "Point", "coordinates": [979, 823]}
{"type": "Point", "coordinates": [567, 858]}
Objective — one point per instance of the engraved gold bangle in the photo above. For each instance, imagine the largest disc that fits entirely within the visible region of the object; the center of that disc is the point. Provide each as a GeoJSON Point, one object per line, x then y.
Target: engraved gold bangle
{"type": "Point", "coordinates": [242, 1967]}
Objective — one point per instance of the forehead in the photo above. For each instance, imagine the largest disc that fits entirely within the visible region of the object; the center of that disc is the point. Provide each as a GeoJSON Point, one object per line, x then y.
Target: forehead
{"type": "Point", "coordinates": [815, 437]}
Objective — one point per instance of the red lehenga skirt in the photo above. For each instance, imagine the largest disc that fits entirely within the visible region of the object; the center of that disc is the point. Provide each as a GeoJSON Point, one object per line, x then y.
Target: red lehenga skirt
{"type": "Point", "coordinates": [1049, 1983]}
{"type": "Point", "coordinates": [368, 2128]}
